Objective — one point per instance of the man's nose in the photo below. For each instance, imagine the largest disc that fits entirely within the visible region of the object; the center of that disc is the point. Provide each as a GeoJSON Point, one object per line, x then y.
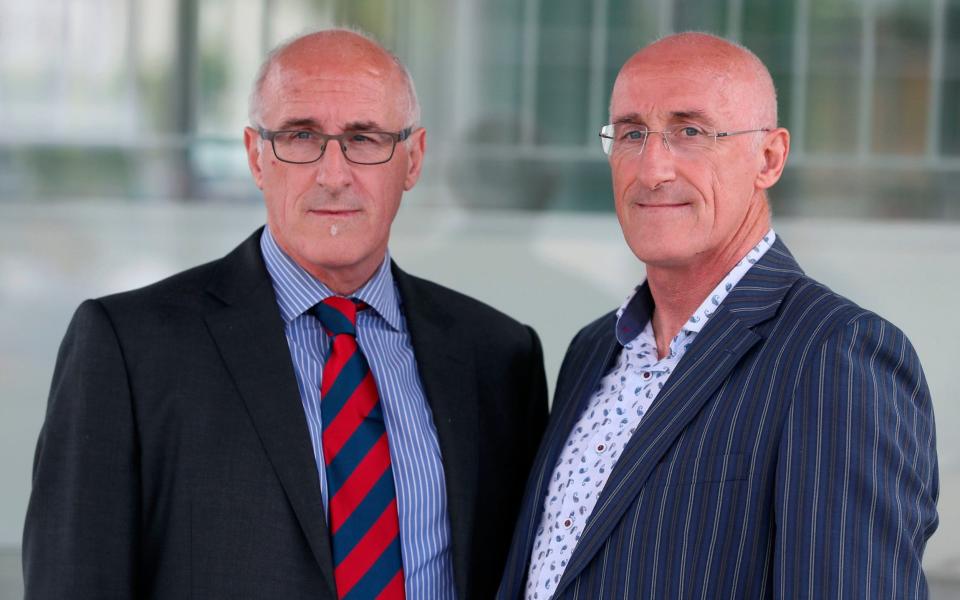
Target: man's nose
{"type": "Point", "coordinates": [333, 168]}
{"type": "Point", "coordinates": [655, 165]}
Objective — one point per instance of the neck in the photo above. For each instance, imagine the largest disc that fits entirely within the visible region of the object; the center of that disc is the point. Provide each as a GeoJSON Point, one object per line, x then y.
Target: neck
{"type": "Point", "coordinates": [679, 289]}
{"type": "Point", "coordinates": [342, 280]}
{"type": "Point", "coordinates": [344, 283]}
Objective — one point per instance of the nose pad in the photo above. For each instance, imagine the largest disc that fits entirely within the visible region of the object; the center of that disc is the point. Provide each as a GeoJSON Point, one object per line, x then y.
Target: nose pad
{"type": "Point", "coordinates": [333, 171]}
{"type": "Point", "coordinates": [655, 166]}
{"type": "Point", "coordinates": [663, 140]}
{"type": "Point", "coordinates": [324, 155]}
{"type": "Point", "coordinates": [666, 142]}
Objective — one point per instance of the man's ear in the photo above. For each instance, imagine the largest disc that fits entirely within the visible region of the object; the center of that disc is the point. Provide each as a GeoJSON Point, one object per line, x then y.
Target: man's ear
{"type": "Point", "coordinates": [774, 151]}
{"type": "Point", "coordinates": [251, 139]}
{"type": "Point", "coordinates": [415, 146]}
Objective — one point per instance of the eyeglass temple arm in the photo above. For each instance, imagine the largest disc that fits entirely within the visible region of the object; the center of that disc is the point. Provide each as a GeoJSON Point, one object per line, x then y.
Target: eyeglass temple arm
{"type": "Point", "coordinates": [721, 134]}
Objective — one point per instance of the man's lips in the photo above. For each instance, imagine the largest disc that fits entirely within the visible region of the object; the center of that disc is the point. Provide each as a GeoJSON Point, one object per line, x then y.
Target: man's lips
{"type": "Point", "coordinates": [334, 212]}
{"type": "Point", "coordinates": [660, 204]}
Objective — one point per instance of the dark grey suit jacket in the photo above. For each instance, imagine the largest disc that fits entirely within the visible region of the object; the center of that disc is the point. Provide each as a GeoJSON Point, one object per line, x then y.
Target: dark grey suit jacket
{"type": "Point", "coordinates": [175, 460]}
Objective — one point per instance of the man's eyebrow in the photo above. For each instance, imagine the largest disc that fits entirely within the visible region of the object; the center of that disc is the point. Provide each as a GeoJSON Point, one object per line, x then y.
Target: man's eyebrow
{"type": "Point", "coordinates": [296, 123]}
{"type": "Point", "coordinates": [691, 115]}
{"type": "Point", "coordinates": [308, 123]}
{"type": "Point", "coordinates": [629, 118]}
{"type": "Point", "coordinates": [363, 126]}
{"type": "Point", "coordinates": [677, 115]}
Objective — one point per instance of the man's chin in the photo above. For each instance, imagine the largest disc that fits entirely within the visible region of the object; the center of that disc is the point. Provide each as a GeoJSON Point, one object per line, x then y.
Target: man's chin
{"type": "Point", "coordinates": [662, 256]}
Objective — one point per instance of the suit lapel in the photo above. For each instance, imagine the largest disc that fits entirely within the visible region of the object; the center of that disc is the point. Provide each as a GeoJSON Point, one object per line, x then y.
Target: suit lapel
{"type": "Point", "coordinates": [595, 354]}
{"type": "Point", "coordinates": [717, 350]}
{"type": "Point", "coordinates": [446, 367]}
{"type": "Point", "coordinates": [248, 330]}
{"type": "Point", "coordinates": [697, 377]}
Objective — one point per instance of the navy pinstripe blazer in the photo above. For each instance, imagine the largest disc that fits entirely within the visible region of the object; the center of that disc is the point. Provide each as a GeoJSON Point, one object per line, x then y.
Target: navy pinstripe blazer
{"type": "Point", "coordinates": [791, 454]}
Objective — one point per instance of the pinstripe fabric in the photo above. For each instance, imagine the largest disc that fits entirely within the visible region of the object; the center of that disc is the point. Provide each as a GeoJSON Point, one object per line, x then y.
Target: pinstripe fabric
{"type": "Point", "coordinates": [790, 455]}
{"type": "Point", "coordinates": [616, 406]}
{"type": "Point", "coordinates": [414, 448]}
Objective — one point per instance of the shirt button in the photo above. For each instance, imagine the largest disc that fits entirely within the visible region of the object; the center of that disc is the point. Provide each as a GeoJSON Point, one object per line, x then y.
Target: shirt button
{"type": "Point", "coordinates": [601, 448]}
{"type": "Point", "coordinates": [646, 375]}
{"type": "Point", "coordinates": [567, 523]}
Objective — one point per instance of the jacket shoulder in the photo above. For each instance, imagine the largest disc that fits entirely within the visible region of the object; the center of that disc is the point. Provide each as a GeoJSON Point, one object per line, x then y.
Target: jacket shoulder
{"type": "Point", "coordinates": [209, 284]}
{"type": "Point", "coordinates": [466, 310]}
{"type": "Point", "coordinates": [810, 301]}
{"type": "Point", "coordinates": [179, 289]}
{"type": "Point", "coordinates": [814, 319]}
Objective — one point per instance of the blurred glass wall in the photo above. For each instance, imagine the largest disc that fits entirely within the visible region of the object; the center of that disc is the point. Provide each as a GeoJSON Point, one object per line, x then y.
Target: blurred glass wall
{"type": "Point", "coordinates": [136, 99]}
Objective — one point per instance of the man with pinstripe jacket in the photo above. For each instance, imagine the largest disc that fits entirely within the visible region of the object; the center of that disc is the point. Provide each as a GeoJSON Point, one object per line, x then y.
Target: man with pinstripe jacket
{"type": "Point", "coordinates": [301, 418]}
{"type": "Point", "coordinates": [735, 429]}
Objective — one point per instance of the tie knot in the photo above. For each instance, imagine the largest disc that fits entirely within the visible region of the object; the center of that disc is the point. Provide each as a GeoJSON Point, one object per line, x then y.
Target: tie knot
{"type": "Point", "coordinates": [337, 315]}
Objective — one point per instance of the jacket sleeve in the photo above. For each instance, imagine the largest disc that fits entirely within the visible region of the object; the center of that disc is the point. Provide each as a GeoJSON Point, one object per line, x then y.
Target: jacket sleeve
{"type": "Point", "coordinates": [857, 473]}
{"type": "Point", "coordinates": [81, 529]}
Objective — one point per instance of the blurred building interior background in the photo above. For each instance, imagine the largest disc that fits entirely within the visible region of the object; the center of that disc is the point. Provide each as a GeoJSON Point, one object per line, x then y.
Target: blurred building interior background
{"type": "Point", "coordinates": [121, 162]}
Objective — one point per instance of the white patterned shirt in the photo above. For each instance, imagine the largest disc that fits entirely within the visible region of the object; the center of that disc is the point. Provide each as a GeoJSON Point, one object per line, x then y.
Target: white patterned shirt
{"type": "Point", "coordinates": [614, 412]}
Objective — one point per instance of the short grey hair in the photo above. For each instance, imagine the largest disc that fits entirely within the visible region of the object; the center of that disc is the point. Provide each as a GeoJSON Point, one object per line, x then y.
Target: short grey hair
{"type": "Point", "coordinates": [255, 105]}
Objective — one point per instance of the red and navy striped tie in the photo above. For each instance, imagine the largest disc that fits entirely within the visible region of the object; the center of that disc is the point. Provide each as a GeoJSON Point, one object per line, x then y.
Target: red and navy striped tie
{"type": "Point", "coordinates": [362, 499]}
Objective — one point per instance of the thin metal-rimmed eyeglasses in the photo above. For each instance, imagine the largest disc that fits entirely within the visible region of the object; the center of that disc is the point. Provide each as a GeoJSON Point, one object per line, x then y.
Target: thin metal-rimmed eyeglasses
{"type": "Point", "coordinates": [302, 146]}
{"type": "Point", "coordinates": [626, 137]}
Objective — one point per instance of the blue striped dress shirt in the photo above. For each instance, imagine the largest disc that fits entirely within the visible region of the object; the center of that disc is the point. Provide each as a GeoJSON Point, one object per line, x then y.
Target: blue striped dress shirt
{"type": "Point", "coordinates": [414, 447]}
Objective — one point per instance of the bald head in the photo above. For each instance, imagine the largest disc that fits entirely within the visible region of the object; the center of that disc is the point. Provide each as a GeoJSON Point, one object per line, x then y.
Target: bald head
{"type": "Point", "coordinates": [693, 203]}
{"type": "Point", "coordinates": [741, 77]}
{"type": "Point", "coordinates": [336, 50]}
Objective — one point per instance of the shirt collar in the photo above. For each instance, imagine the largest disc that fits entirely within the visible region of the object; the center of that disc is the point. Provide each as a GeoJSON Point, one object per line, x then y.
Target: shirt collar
{"type": "Point", "coordinates": [633, 314]}
{"type": "Point", "coordinates": [298, 291]}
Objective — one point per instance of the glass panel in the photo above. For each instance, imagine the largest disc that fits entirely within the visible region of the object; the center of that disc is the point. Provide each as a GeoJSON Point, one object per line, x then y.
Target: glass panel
{"type": "Point", "coordinates": [563, 72]}
{"type": "Point", "coordinates": [288, 18]}
{"type": "Point", "coordinates": [768, 30]}
{"type": "Point", "coordinates": [950, 100]}
{"type": "Point", "coordinates": [499, 73]}
{"type": "Point", "coordinates": [700, 15]}
{"type": "Point", "coordinates": [833, 76]}
{"type": "Point", "coordinates": [377, 17]}
{"type": "Point", "coordinates": [63, 70]}
{"type": "Point", "coordinates": [155, 25]}
{"type": "Point", "coordinates": [630, 26]}
{"type": "Point", "coordinates": [427, 26]}
{"type": "Point", "coordinates": [902, 85]}
{"type": "Point", "coordinates": [230, 53]}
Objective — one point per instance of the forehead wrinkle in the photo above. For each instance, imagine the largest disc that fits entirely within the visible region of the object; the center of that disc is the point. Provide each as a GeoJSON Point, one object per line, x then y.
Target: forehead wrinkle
{"type": "Point", "coordinates": [292, 96]}
{"type": "Point", "coordinates": [628, 91]}
{"type": "Point", "coordinates": [742, 82]}
{"type": "Point", "coordinates": [304, 69]}
{"type": "Point", "coordinates": [637, 77]}
{"type": "Point", "coordinates": [295, 81]}
{"type": "Point", "coordinates": [696, 114]}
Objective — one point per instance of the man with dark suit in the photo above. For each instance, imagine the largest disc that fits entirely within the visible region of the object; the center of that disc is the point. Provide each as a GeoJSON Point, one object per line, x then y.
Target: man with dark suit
{"type": "Point", "coordinates": [735, 429]}
{"type": "Point", "coordinates": [301, 418]}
